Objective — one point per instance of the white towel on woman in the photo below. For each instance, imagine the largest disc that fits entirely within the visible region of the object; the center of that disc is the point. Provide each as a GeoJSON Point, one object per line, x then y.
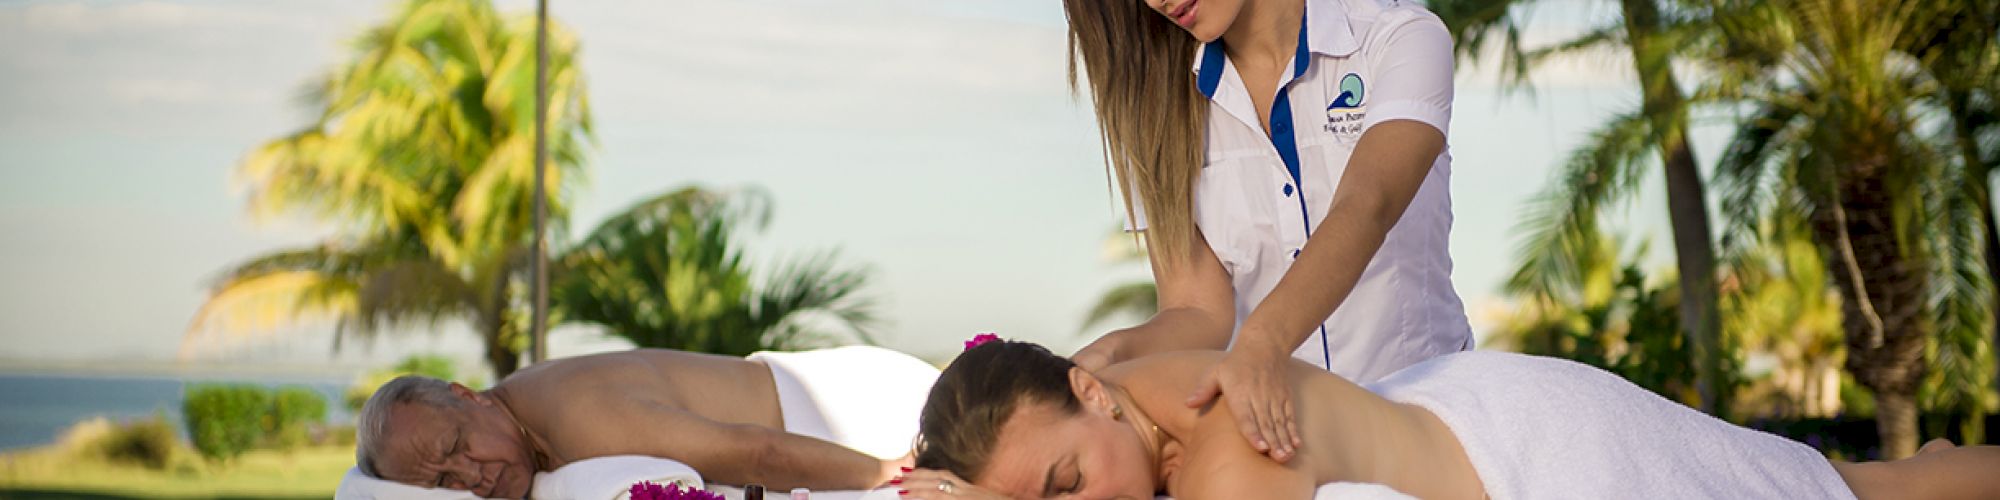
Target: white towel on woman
{"type": "Point", "coordinates": [1546, 428]}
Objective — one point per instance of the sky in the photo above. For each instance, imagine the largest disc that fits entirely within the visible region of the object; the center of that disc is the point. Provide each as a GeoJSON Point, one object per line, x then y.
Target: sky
{"type": "Point", "coordinates": [933, 141]}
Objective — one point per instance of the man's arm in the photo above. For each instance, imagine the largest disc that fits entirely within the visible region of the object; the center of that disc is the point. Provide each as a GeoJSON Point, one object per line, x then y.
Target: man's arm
{"type": "Point", "coordinates": [734, 454]}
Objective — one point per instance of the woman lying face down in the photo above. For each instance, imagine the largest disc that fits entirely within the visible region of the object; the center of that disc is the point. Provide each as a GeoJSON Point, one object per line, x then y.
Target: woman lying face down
{"type": "Point", "coordinates": [1011, 420]}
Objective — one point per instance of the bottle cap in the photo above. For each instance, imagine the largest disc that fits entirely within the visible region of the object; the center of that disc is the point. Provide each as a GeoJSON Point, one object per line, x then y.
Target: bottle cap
{"type": "Point", "coordinates": [801, 494]}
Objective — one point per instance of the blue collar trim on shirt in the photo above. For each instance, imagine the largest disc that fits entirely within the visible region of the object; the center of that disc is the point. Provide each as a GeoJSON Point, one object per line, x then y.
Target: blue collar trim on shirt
{"type": "Point", "coordinates": [1209, 77]}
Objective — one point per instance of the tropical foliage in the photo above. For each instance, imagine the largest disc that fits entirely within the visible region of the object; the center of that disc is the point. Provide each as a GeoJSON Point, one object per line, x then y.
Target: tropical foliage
{"type": "Point", "coordinates": [420, 155]}
{"type": "Point", "coordinates": [1137, 298]}
{"type": "Point", "coordinates": [1858, 222]}
{"type": "Point", "coordinates": [670, 272]}
{"type": "Point", "coordinates": [1606, 171]}
{"type": "Point", "coordinates": [1835, 132]}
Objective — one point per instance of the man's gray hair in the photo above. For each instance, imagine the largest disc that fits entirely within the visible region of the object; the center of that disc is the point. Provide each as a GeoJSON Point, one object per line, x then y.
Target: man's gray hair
{"type": "Point", "coordinates": [372, 426]}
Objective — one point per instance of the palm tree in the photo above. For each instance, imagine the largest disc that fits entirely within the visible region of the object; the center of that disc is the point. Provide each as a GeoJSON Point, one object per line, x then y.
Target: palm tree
{"type": "Point", "coordinates": [669, 272]}
{"type": "Point", "coordinates": [1960, 48]}
{"type": "Point", "coordinates": [421, 157]}
{"type": "Point", "coordinates": [1138, 298]}
{"type": "Point", "coordinates": [1833, 132]}
{"type": "Point", "coordinates": [1608, 170]}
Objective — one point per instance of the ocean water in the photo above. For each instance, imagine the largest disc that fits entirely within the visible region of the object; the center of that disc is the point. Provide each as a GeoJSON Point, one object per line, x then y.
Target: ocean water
{"type": "Point", "coordinates": [35, 408]}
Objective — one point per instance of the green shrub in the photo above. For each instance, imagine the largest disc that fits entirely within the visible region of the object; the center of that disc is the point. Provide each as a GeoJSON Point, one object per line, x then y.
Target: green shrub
{"type": "Point", "coordinates": [339, 435]}
{"type": "Point", "coordinates": [224, 420]}
{"type": "Point", "coordinates": [148, 442]}
{"type": "Point", "coordinates": [293, 411]}
{"type": "Point", "coordinates": [430, 365]}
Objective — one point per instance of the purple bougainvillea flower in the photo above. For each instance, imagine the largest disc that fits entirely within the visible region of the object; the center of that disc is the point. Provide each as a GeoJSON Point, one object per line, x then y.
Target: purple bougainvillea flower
{"type": "Point", "coordinates": [980, 339]}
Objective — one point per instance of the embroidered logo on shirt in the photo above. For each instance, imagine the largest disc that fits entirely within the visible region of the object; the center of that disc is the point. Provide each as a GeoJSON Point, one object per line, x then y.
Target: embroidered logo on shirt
{"type": "Point", "coordinates": [1350, 93]}
{"type": "Point", "coordinates": [1345, 114]}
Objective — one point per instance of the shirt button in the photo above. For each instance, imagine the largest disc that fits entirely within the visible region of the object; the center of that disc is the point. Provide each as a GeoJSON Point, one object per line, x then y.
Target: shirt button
{"type": "Point", "coordinates": [1288, 190]}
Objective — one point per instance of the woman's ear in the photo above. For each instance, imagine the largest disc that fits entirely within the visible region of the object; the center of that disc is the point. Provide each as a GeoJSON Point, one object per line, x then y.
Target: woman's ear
{"type": "Point", "coordinates": [1090, 390]}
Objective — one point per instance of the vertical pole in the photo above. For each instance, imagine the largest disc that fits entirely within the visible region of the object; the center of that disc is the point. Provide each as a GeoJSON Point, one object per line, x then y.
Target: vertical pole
{"type": "Point", "coordinates": [538, 329]}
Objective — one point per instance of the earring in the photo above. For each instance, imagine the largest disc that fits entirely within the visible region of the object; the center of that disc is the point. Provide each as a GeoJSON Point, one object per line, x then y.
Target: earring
{"type": "Point", "coordinates": [1117, 413]}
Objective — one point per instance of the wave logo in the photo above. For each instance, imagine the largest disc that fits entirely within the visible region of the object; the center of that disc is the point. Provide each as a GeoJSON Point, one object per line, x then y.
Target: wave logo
{"type": "Point", "coordinates": [1350, 93]}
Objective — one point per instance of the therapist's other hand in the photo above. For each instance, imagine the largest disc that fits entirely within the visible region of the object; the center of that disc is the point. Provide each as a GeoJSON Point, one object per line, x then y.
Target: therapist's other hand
{"type": "Point", "coordinates": [1252, 379]}
{"type": "Point", "coordinates": [1099, 353]}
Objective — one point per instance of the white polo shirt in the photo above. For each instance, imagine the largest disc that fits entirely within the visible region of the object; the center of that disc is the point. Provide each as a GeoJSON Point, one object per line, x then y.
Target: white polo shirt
{"type": "Point", "coordinates": [1259, 197]}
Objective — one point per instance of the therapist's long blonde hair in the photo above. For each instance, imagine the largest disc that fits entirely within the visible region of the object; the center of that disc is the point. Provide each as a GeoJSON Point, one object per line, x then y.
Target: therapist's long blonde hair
{"type": "Point", "coordinates": [1150, 113]}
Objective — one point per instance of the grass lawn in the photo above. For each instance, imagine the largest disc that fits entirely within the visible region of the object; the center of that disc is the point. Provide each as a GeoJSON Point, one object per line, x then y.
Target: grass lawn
{"type": "Point", "coordinates": [52, 472]}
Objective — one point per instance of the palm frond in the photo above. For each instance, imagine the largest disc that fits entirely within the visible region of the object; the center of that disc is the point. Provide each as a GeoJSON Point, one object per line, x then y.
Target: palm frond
{"type": "Point", "coordinates": [1562, 221]}
{"type": "Point", "coordinates": [816, 286]}
{"type": "Point", "coordinates": [1140, 298]}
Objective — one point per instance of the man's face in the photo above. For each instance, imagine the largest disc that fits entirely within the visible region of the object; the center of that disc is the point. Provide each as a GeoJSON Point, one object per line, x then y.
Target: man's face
{"type": "Point", "coordinates": [473, 447]}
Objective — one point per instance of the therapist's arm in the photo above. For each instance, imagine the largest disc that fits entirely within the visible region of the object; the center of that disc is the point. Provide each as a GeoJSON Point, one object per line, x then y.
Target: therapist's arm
{"type": "Point", "coordinates": [1383, 174]}
{"type": "Point", "coordinates": [1197, 312]}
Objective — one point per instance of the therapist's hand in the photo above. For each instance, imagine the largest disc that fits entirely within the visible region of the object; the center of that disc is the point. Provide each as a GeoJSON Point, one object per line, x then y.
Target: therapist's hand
{"type": "Point", "coordinates": [1252, 379]}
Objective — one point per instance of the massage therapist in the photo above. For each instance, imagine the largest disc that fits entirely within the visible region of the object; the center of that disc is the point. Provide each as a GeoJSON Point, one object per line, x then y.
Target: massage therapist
{"type": "Point", "coordinates": [1287, 166]}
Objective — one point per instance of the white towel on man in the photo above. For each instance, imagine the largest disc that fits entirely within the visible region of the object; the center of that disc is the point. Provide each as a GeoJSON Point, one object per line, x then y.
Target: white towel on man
{"type": "Point", "coordinates": [862, 397]}
{"type": "Point", "coordinates": [1545, 428]}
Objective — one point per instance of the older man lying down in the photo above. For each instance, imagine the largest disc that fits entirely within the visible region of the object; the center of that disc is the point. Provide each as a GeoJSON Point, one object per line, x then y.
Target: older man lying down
{"type": "Point", "coordinates": [727, 417]}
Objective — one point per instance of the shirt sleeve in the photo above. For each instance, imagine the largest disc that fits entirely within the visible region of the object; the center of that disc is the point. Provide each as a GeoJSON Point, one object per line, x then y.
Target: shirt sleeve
{"type": "Point", "coordinates": [1413, 73]}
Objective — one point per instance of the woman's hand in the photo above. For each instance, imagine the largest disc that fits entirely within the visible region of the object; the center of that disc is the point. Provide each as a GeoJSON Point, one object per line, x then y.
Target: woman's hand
{"type": "Point", "coordinates": [1252, 377]}
{"type": "Point", "coordinates": [1099, 353]}
{"type": "Point", "coordinates": [940, 485]}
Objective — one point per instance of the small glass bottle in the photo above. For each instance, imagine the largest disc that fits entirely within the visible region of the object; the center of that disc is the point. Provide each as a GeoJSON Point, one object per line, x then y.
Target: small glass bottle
{"type": "Point", "coordinates": [801, 494]}
{"type": "Point", "coordinates": [753, 492]}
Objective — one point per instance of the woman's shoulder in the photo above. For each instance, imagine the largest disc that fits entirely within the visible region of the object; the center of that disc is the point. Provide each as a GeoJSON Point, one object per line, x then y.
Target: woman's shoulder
{"type": "Point", "coordinates": [1219, 463]}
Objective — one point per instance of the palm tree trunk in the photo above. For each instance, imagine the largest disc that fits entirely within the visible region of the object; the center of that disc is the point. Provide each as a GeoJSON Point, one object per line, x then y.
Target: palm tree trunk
{"type": "Point", "coordinates": [1878, 282]}
{"type": "Point", "coordinates": [1687, 203]}
{"type": "Point", "coordinates": [503, 359]}
{"type": "Point", "coordinates": [1896, 422]}
{"type": "Point", "coordinates": [538, 341]}
{"type": "Point", "coordinates": [500, 353]}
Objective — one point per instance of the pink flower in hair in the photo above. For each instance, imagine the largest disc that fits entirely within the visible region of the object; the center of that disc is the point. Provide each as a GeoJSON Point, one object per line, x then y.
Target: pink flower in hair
{"type": "Point", "coordinates": [979, 339]}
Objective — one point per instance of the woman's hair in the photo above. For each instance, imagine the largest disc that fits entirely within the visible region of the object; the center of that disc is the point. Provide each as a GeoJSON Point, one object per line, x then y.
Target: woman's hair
{"type": "Point", "coordinates": [1152, 116]}
{"type": "Point", "coordinates": [978, 393]}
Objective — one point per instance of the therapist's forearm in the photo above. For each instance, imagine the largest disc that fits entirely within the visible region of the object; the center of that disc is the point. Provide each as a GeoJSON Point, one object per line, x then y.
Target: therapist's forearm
{"type": "Point", "coordinates": [1383, 175]}
{"type": "Point", "coordinates": [1325, 273]}
{"type": "Point", "coordinates": [1174, 329]}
